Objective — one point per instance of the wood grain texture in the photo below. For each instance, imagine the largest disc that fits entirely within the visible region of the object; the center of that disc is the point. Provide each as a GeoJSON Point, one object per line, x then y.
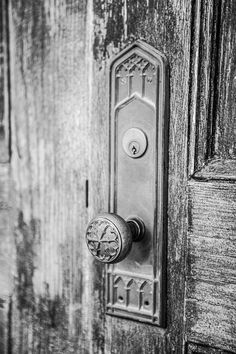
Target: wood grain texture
{"type": "Point", "coordinates": [225, 141]}
{"type": "Point", "coordinates": [218, 169]}
{"type": "Point", "coordinates": [166, 26]}
{"type": "Point", "coordinates": [60, 56]}
{"type": "Point", "coordinates": [212, 87]}
{"type": "Point", "coordinates": [6, 241]}
{"type": "Point", "coordinates": [6, 259]}
{"type": "Point", "coordinates": [193, 348]}
{"type": "Point", "coordinates": [60, 139]}
{"type": "Point", "coordinates": [5, 232]}
{"type": "Point", "coordinates": [4, 86]}
{"type": "Point", "coordinates": [210, 294]}
{"type": "Point", "coordinates": [204, 54]}
{"type": "Point", "coordinates": [211, 275]}
{"type": "Point", "coordinates": [56, 299]}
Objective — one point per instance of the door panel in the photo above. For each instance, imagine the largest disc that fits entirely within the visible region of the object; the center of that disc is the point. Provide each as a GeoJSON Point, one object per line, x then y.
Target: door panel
{"type": "Point", "coordinates": [60, 54]}
{"type": "Point", "coordinates": [210, 287]}
{"type": "Point", "coordinates": [210, 294]}
{"type": "Point", "coordinates": [153, 23]}
{"type": "Point", "coordinates": [54, 294]}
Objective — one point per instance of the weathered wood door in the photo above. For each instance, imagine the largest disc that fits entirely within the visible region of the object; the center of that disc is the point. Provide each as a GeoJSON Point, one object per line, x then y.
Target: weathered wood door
{"type": "Point", "coordinates": [54, 173]}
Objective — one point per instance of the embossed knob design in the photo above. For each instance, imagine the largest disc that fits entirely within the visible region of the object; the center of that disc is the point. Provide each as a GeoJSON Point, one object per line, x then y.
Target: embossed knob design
{"type": "Point", "coordinates": [109, 237]}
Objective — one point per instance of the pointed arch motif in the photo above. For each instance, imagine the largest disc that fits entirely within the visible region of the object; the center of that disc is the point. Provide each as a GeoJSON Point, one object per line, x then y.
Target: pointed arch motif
{"type": "Point", "coordinates": [138, 98]}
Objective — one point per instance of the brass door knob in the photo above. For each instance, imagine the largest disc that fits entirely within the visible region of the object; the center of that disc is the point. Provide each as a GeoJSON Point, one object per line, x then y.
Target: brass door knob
{"type": "Point", "coordinates": [109, 237]}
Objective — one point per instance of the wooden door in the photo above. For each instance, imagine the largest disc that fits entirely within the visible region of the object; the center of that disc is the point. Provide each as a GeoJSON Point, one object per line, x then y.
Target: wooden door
{"type": "Point", "coordinates": [55, 59]}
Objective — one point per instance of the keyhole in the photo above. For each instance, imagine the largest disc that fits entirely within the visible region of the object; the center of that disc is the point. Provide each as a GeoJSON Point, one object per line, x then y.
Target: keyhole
{"type": "Point", "coordinates": [134, 147]}
{"type": "Point", "coordinates": [134, 150]}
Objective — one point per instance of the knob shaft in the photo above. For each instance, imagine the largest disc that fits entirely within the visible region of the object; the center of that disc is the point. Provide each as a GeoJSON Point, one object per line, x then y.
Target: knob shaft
{"type": "Point", "coordinates": [109, 237]}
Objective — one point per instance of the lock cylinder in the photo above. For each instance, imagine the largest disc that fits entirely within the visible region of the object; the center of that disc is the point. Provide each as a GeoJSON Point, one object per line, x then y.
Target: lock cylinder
{"type": "Point", "coordinates": [134, 142]}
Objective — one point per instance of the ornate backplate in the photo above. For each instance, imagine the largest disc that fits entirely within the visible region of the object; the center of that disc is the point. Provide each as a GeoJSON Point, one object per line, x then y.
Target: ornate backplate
{"type": "Point", "coordinates": [138, 87]}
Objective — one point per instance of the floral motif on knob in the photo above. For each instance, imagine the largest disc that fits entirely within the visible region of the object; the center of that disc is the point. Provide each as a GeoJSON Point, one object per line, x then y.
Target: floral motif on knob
{"type": "Point", "coordinates": [103, 240]}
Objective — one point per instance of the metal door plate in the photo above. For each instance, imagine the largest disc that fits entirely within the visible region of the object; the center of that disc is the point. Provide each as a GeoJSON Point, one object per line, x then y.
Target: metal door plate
{"type": "Point", "coordinates": [138, 87]}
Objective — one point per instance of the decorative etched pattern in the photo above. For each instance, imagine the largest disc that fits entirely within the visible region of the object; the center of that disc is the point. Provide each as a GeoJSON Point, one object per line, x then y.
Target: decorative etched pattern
{"type": "Point", "coordinates": [103, 240]}
{"type": "Point", "coordinates": [131, 64]}
{"type": "Point", "coordinates": [138, 99]}
{"type": "Point", "coordinates": [135, 74]}
{"type": "Point", "coordinates": [133, 293]}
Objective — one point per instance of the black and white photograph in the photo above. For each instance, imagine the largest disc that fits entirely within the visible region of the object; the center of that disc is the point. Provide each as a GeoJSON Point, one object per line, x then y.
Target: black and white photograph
{"type": "Point", "coordinates": [118, 177]}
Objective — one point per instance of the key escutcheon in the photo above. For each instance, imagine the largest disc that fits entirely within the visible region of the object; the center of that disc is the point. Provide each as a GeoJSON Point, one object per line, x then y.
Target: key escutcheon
{"type": "Point", "coordinates": [134, 142]}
